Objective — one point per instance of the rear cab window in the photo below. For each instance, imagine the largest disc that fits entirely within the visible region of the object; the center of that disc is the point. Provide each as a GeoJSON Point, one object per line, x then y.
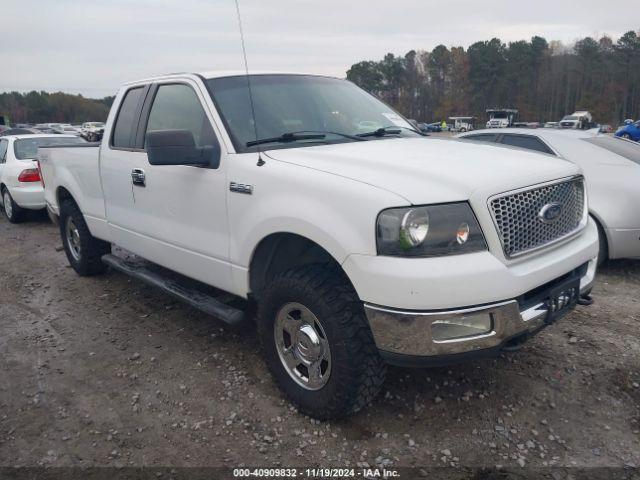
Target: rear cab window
{"type": "Point", "coordinates": [127, 119]}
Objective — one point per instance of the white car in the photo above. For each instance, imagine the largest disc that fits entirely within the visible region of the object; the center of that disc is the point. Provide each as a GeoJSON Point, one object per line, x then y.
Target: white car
{"type": "Point", "coordinates": [92, 131]}
{"type": "Point", "coordinates": [20, 185]}
{"type": "Point", "coordinates": [611, 167]}
{"type": "Point", "coordinates": [358, 248]}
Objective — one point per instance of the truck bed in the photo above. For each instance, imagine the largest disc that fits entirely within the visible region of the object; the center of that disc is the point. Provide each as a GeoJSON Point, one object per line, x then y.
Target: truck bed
{"type": "Point", "coordinates": [76, 168]}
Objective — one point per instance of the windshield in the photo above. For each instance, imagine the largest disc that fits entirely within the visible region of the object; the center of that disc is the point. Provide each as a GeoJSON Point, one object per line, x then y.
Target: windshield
{"type": "Point", "coordinates": [625, 148]}
{"type": "Point", "coordinates": [499, 115]}
{"type": "Point", "coordinates": [570, 117]}
{"type": "Point", "coordinates": [27, 148]}
{"type": "Point", "coordinates": [301, 103]}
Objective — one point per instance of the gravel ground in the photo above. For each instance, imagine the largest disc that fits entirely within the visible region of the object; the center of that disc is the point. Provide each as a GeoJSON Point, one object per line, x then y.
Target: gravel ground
{"type": "Point", "coordinates": [108, 372]}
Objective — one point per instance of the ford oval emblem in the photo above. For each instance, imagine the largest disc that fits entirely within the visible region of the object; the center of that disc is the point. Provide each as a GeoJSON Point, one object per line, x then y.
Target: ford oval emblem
{"type": "Point", "coordinates": [550, 212]}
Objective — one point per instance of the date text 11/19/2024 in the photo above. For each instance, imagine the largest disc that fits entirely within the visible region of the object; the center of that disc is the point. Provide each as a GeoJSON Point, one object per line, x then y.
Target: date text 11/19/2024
{"type": "Point", "coordinates": [315, 473]}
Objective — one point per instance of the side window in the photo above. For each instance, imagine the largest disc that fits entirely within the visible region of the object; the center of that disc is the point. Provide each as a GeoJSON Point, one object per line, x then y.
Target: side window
{"type": "Point", "coordinates": [526, 141]}
{"type": "Point", "coordinates": [3, 150]}
{"type": "Point", "coordinates": [127, 119]}
{"type": "Point", "coordinates": [177, 107]}
{"type": "Point", "coordinates": [482, 137]}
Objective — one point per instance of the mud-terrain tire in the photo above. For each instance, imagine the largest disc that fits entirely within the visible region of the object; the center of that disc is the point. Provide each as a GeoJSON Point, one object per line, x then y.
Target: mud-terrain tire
{"type": "Point", "coordinates": [84, 251]}
{"type": "Point", "coordinates": [14, 212]}
{"type": "Point", "coordinates": [318, 298]}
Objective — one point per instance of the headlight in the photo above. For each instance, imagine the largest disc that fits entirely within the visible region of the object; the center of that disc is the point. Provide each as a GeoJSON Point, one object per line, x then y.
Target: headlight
{"type": "Point", "coordinates": [433, 230]}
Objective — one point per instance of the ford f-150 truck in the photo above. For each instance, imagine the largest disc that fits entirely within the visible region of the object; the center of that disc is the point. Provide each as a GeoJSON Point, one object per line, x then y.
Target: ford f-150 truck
{"type": "Point", "coordinates": [357, 241]}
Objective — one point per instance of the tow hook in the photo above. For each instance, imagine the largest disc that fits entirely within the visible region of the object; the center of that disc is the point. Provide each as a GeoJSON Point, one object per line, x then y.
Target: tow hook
{"type": "Point", "coordinates": [585, 300]}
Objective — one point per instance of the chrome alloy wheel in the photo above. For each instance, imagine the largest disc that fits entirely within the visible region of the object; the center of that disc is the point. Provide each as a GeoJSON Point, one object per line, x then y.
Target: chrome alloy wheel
{"type": "Point", "coordinates": [73, 238]}
{"type": "Point", "coordinates": [302, 346]}
{"type": "Point", "coordinates": [8, 207]}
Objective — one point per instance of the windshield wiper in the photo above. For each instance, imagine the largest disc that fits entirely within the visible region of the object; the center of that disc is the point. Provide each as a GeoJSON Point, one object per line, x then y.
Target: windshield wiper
{"type": "Point", "coordinates": [340, 134]}
{"type": "Point", "coordinates": [287, 137]}
{"type": "Point", "coordinates": [390, 130]}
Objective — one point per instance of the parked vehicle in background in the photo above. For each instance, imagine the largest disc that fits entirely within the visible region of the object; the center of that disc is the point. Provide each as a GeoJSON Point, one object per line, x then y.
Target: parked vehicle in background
{"type": "Point", "coordinates": [429, 127]}
{"type": "Point", "coordinates": [20, 131]}
{"type": "Point", "coordinates": [93, 131]}
{"type": "Point", "coordinates": [551, 124]}
{"type": "Point", "coordinates": [355, 247]}
{"type": "Point", "coordinates": [20, 185]}
{"type": "Point", "coordinates": [605, 129]}
{"type": "Point", "coordinates": [66, 129]}
{"type": "Point", "coordinates": [461, 124]}
{"type": "Point", "coordinates": [501, 117]}
{"type": "Point", "coordinates": [4, 128]}
{"type": "Point", "coordinates": [630, 132]}
{"type": "Point", "coordinates": [43, 128]}
{"type": "Point", "coordinates": [577, 120]}
{"type": "Point", "coordinates": [611, 167]}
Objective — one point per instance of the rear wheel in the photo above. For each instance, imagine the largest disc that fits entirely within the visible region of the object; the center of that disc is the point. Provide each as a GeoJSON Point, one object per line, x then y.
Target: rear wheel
{"type": "Point", "coordinates": [317, 342]}
{"type": "Point", "coordinates": [13, 212]}
{"type": "Point", "coordinates": [627, 136]}
{"type": "Point", "coordinates": [83, 250]}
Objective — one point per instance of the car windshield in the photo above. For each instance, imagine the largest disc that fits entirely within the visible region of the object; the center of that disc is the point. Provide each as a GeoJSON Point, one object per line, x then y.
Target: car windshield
{"type": "Point", "coordinates": [287, 104]}
{"type": "Point", "coordinates": [625, 148]}
{"type": "Point", "coordinates": [499, 115]}
{"type": "Point", "coordinates": [27, 148]}
{"type": "Point", "coordinates": [570, 117]}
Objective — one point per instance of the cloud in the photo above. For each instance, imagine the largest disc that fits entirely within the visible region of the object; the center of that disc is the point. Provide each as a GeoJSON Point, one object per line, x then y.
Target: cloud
{"type": "Point", "coordinates": [92, 47]}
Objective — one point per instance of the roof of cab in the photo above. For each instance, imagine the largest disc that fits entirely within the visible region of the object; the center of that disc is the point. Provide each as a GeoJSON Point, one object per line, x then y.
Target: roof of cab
{"type": "Point", "coordinates": [221, 74]}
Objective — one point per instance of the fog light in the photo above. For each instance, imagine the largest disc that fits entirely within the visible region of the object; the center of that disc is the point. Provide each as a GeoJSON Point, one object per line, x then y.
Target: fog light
{"type": "Point", "coordinates": [461, 327]}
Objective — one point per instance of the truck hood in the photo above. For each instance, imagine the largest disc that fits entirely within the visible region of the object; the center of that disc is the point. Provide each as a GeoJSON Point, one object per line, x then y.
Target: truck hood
{"type": "Point", "coordinates": [428, 170]}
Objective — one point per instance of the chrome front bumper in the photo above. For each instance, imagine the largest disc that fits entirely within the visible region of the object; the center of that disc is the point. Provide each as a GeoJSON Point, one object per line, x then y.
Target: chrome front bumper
{"type": "Point", "coordinates": [409, 333]}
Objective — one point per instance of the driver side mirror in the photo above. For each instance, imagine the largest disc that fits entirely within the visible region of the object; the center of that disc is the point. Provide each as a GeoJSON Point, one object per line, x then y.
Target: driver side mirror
{"type": "Point", "coordinates": [178, 147]}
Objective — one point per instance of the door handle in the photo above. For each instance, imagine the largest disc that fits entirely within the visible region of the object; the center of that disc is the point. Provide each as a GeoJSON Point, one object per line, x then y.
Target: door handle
{"type": "Point", "coordinates": [138, 177]}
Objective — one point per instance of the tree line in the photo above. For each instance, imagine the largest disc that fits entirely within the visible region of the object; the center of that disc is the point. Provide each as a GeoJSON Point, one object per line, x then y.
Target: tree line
{"type": "Point", "coordinates": [43, 107]}
{"type": "Point", "coordinates": [543, 80]}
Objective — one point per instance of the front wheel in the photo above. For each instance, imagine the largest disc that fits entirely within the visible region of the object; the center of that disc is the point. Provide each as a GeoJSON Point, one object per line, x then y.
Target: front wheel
{"type": "Point", "coordinates": [317, 342]}
{"type": "Point", "coordinates": [627, 136]}
{"type": "Point", "coordinates": [84, 251]}
{"type": "Point", "coordinates": [13, 211]}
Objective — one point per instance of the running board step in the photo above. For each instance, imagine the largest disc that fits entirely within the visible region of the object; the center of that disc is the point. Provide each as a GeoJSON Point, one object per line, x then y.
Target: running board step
{"type": "Point", "coordinates": [177, 286]}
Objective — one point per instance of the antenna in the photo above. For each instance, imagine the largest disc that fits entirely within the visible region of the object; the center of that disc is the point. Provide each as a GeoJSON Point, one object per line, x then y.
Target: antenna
{"type": "Point", "coordinates": [246, 69]}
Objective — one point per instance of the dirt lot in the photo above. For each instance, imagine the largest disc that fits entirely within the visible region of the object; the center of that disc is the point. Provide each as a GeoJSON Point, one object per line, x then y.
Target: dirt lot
{"type": "Point", "coordinates": [108, 372]}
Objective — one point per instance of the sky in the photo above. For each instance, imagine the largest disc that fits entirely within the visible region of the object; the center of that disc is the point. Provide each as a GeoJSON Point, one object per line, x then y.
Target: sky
{"type": "Point", "coordinates": [92, 47]}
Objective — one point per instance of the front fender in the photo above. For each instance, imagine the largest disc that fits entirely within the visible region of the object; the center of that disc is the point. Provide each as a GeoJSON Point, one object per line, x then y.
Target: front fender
{"type": "Point", "coordinates": [337, 213]}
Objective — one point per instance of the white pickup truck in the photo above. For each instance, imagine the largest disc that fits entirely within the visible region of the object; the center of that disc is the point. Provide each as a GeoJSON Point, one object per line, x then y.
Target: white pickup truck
{"type": "Point", "coordinates": [359, 241]}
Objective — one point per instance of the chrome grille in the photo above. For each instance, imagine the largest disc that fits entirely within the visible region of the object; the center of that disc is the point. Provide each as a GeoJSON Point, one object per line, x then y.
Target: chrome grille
{"type": "Point", "coordinates": [517, 216]}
